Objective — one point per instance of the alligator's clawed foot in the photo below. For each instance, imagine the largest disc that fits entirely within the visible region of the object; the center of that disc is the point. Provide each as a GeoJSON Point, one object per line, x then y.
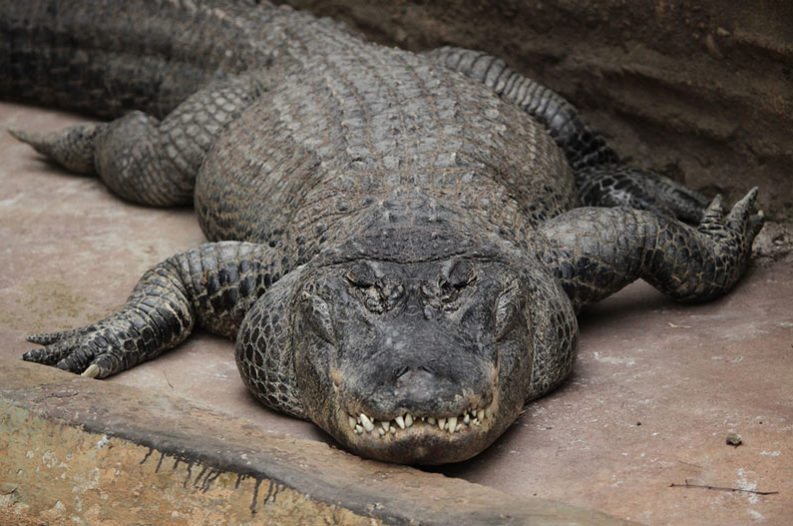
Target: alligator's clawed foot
{"type": "Point", "coordinates": [72, 148]}
{"type": "Point", "coordinates": [735, 231]}
{"type": "Point", "coordinates": [745, 216]}
{"type": "Point", "coordinates": [85, 351]}
{"type": "Point", "coordinates": [738, 227]}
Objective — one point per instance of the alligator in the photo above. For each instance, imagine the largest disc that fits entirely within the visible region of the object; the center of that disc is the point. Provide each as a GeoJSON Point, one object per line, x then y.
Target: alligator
{"type": "Point", "coordinates": [399, 243]}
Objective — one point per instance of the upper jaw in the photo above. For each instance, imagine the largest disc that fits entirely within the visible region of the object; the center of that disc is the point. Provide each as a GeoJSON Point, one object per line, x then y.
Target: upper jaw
{"type": "Point", "coordinates": [405, 421]}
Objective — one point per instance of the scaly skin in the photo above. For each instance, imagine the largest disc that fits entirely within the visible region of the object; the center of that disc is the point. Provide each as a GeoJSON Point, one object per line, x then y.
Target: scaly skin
{"type": "Point", "coordinates": [398, 242]}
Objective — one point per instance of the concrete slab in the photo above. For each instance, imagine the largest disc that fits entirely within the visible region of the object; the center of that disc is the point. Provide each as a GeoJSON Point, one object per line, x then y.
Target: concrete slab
{"type": "Point", "coordinates": [656, 390]}
{"type": "Point", "coordinates": [78, 452]}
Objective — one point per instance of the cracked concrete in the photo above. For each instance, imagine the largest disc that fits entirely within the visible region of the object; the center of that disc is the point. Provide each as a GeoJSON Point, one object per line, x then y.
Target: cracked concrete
{"type": "Point", "coordinates": [656, 390]}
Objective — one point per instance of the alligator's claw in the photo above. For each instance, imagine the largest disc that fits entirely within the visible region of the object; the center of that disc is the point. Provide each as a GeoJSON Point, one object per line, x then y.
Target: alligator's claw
{"type": "Point", "coordinates": [738, 227]}
{"type": "Point", "coordinates": [85, 351]}
{"type": "Point", "coordinates": [741, 214]}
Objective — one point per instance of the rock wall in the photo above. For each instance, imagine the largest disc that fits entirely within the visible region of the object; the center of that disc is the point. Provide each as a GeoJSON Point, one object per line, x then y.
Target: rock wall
{"type": "Point", "coordinates": [701, 91]}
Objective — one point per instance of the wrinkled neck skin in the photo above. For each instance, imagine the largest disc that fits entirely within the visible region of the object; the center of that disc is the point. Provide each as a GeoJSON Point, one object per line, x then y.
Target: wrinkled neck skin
{"type": "Point", "coordinates": [415, 339]}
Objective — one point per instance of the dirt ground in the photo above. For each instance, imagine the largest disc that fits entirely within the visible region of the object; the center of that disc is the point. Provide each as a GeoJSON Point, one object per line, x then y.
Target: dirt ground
{"type": "Point", "coordinates": [701, 91]}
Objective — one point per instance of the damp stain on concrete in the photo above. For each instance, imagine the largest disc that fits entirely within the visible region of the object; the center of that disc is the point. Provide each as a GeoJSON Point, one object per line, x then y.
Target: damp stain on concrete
{"type": "Point", "coordinates": [73, 481]}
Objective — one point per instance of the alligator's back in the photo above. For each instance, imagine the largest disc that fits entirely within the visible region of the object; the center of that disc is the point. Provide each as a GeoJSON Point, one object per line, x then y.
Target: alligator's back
{"type": "Point", "coordinates": [352, 129]}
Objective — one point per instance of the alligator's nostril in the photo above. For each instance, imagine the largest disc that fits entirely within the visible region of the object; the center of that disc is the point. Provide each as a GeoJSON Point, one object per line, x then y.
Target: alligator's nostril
{"type": "Point", "coordinates": [402, 371]}
{"type": "Point", "coordinates": [415, 378]}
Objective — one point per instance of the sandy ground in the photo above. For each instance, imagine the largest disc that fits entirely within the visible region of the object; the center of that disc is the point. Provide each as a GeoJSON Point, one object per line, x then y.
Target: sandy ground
{"type": "Point", "coordinates": [655, 392]}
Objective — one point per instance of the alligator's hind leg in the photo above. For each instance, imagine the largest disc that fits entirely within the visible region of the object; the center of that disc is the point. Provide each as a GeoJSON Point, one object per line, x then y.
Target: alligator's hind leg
{"type": "Point", "coordinates": [142, 159]}
{"type": "Point", "coordinates": [211, 287]}
{"type": "Point", "coordinates": [601, 178]}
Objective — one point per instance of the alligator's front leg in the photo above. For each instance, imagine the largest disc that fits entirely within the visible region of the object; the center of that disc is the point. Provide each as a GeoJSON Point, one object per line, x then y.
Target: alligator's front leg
{"type": "Point", "coordinates": [594, 252]}
{"type": "Point", "coordinates": [211, 287]}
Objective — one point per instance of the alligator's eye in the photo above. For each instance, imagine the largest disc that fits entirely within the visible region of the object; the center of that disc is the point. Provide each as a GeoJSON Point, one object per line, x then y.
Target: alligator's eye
{"type": "Point", "coordinates": [361, 276]}
{"type": "Point", "coordinates": [378, 293]}
{"type": "Point", "coordinates": [457, 277]}
{"type": "Point", "coordinates": [445, 293]}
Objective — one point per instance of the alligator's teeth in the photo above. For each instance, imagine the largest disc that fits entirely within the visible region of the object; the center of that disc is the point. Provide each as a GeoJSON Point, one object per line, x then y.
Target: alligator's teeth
{"type": "Point", "coordinates": [358, 429]}
{"type": "Point", "coordinates": [381, 431]}
{"type": "Point", "coordinates": [367, 424]}
{"type": "Point", "coordinates": [431, 420]}
{"type": "Point", "coordinates": [393, 430]}
{"type": "Point", "coordinates": [408, 420]}
{"type": "Point", "coordinates": [480, 414]}
{"type": "Point", "coordinates": [385, 425]}
{"type": "Point", "coordinates": [466, 418]}
{"type": "Point", "coordinates": [452, 424]}
{"type": "Point", "coordinates": [442, 423]}
{"type": "Point", "coordinates": [400, 422]}
{"type": "Point", "coordinates": [459, 428]}
{"type": "Point", "coordinates": [476, 421]}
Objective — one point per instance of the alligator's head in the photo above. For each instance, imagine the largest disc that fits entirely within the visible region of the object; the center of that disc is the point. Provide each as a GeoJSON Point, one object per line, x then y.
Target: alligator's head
{"type": "Point", "coordinates": [414, 359]}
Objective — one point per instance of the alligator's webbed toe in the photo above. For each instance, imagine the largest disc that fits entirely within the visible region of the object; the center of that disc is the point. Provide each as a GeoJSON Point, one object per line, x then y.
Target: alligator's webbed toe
{"type": "Point", "coordinates": [87, 351]}
{"type": "Point", "coordinates": [68, 354]}
{"type": "Point", "coordinates": [212, 286]}
{"type": "Point", "coordinates": [98, 350]}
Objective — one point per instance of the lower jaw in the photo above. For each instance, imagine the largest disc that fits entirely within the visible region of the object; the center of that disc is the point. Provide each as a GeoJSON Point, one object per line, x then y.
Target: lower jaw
{"type": "Point", "coordinates": [422, 444]}
{"type": "Point", "coordinates": [423, 440]}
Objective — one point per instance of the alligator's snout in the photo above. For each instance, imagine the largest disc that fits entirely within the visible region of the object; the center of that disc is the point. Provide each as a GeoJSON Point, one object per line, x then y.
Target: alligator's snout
{"type": "Point", "coordinates": [423, 393]}
{"type": "Point", "coordinates": [417, 387]}
{"type": "Point", "coordinates": [411, 364]}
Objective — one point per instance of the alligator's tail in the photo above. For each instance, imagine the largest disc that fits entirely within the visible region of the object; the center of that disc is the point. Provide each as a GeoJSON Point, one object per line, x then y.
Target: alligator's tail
{"type": "Point", "coordinates": [104, 57]}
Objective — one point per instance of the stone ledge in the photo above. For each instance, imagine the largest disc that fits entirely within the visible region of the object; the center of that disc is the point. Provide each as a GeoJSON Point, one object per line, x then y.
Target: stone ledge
{"type": "Point", "coordinates": [87, 452]}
